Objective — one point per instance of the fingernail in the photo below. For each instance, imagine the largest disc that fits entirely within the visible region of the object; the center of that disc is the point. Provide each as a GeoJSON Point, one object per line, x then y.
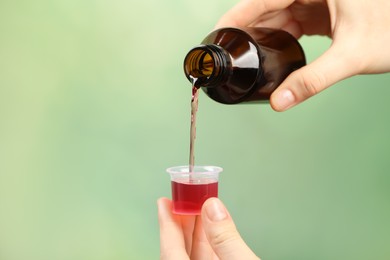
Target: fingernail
{"type": "Point", "coordinates": [215, 210]}
{"type": "Point", "coordinates": [284, 99]}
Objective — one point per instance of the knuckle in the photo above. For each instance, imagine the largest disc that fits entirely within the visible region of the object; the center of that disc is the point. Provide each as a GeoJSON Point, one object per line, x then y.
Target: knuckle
{"type": "Point", "coordinates": [224, 238]}
{"type": "Point", "coordinates": [312, 82]}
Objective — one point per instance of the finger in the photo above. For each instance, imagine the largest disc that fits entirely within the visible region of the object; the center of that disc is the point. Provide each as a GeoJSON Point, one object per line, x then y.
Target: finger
{"type": "Point", "coordinates": [280, 20]}
{"type": "Point", "coordinates": [201, 248]}
{"type": "Point", "coordinates": [275, 20]}
{"type": "Point", "coordinates": [172, 246]}
{"type": "Point", "coordinates": [188, 224]}
{"type": "Point", "coordinates": [293, 28]}
{"type": "Point", "coordinates": [247, 11]}
{"type": "Point", "coordinates": [222, 233]}
{"type": "Point", "coordinates": [333, 66]}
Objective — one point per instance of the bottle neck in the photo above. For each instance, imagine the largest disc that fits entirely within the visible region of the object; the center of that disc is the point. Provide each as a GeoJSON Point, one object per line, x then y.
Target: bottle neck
{"type": "Point", "coordinates": [206, 65]}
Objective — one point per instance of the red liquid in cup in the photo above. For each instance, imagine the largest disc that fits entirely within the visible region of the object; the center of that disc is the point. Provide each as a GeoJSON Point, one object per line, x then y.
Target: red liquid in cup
{"type": "Point", "coordinates": [188, 198]}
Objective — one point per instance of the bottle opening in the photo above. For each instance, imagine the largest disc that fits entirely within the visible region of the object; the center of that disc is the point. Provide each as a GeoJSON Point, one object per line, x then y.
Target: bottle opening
{"type": "Point", "coordinates": [199, 65]}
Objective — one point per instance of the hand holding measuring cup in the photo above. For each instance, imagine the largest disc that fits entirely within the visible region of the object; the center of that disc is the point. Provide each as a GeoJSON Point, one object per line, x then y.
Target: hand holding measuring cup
{"type": "Point", "coordinates": [211, 235]}
{"type": "Point", "coordinates": [196, 224]}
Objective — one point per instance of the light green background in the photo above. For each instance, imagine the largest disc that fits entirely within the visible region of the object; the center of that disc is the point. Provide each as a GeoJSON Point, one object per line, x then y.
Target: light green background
{"type": "Point", "coordinates": [94, 106]}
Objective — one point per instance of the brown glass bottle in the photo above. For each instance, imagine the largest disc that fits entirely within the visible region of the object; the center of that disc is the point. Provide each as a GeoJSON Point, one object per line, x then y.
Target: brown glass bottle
{"type": "Point", "coordinates": [235, 65]}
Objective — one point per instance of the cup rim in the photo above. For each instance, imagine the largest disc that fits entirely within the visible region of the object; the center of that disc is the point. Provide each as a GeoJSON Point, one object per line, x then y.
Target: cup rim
{"type": "Point", "coordinates": [207, 169]}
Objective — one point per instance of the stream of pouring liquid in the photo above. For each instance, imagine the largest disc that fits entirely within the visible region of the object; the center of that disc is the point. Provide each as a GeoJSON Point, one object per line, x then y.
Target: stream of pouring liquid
{"type": "Point", "coordinates": [194, 109]}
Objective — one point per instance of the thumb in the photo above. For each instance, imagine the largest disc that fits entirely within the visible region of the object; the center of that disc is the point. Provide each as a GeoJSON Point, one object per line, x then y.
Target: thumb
{"type": "Point", "coordinates": [334, 65]}
{"type": "Point", "coordinates": [222, 233]}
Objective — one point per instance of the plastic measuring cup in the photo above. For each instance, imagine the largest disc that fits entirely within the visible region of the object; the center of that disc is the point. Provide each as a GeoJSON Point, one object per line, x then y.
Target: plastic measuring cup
{"type": "Point", "coordinates": [191, 189]}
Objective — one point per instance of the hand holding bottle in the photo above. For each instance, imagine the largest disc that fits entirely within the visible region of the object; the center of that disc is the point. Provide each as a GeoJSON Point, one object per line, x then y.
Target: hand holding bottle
{"type": "Point", "coordinates": [359, 32]}
{"type": "Point", "coordinates": [212, 235]}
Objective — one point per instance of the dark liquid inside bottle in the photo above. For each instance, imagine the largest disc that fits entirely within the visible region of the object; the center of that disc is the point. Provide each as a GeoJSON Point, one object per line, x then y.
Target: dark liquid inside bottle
{"type": "Point", "coordinates": [243, 65]}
